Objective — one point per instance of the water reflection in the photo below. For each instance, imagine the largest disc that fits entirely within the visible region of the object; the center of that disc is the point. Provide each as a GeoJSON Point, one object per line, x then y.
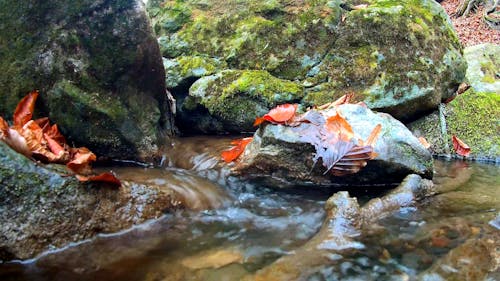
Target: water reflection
{"type": "Point", "coordinates": [245, 227]}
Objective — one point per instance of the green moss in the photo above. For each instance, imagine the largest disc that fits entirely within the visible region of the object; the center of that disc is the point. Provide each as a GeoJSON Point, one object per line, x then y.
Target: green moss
{"type": "Point", "coordinates": [170, 16]}
{"type": "Point", "coordinates": [237, 97]}
{"type": "Point", "coordinates": [475, 118]}
{"type": "Point", "coordinates": [180, 69]}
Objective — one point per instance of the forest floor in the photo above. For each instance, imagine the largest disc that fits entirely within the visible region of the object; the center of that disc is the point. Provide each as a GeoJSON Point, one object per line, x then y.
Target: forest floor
{"type": "Point", "coordinates": [471, 29]}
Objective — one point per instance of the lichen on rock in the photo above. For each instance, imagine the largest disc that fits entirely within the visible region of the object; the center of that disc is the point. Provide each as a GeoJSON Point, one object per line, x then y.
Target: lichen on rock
{"type": "Point", "coordinates": [103, 52]}
{"type": "Point", "coordinates": [399, 57]}
{"type": "Point", "coordinates": [473, 116]}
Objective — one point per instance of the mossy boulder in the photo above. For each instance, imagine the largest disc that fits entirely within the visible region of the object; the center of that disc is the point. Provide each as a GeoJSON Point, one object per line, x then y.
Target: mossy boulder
{"type": "Point", "coordinates": [474, 116]}
{"type": "Point", "coordinates": [42, 208]}
{"type": "Point", "coordinates": [281, 156]}
{"type": "Point", "coordinates": [232, 99]}
{"type": "Point", "coordinates": [400, 57]}
{"type": "Point", "coordinates": [98, 68]}
{"type": "Point", "coordinates": [483, 71]}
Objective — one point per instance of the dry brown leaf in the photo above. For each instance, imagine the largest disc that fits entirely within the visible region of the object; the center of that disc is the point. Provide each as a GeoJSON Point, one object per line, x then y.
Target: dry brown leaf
{"type": "Point", "coordinates": [24, 109]}
{"type": "Point", "coordinates": [460, 147]}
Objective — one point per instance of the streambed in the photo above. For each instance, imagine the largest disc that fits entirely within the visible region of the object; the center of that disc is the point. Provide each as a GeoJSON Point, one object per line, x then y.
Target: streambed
{"type": "Point", "coordinates": [243, 227]}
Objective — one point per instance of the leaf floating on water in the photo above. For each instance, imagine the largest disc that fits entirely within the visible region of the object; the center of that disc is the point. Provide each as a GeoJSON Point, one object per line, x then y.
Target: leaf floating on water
{"type": "Point", "coordinates": [24, 109]}
{"type": "Point", "coordinates": [234, 152]}
{"type": "Point", "coordinates": [460, 147]}
{"type": "Point", "coordinates": [108, 178]}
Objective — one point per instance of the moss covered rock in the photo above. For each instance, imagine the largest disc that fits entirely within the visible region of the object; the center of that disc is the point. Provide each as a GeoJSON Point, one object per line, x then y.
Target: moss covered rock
{"type": "Point", "coordinates": [281, 156]}
{"type": "Point", "coordinates": [232, 99]}
{"type": "Point", "coordinates": [474, 116]}
{"type": "Point", "coordinates": [400, 57]}
{"type": "Point", "coordinates": [42, 208]}
{"type": "Point", "coordinates": [98, 68]}
{"type": "Point", "coordinates": [483, 71]}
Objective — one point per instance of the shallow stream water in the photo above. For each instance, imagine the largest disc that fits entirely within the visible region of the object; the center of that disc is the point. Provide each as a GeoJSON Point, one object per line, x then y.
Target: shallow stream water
{"type": "Point", "coordinates": [239, 227]}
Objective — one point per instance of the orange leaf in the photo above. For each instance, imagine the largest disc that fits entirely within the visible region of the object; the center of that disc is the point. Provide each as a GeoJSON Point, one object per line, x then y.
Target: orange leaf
{"type": "Point", "coordinates": [4, 128]}
{"type": "Point", "coordinates": [424, 142]}
{"type": "Point", "coordinates": [108, 178]}
{"type": "Point", "coordinates": [372, 138]}
{"type": "Point", "coordinates": [461, 148]}
{"type": "Point", "coordinates": [258, 121]}
{"type": "Point", "coordinates": [281, 113]}
{"type": "Point", "coordinates": [44, 123]}
{"type": "Point", "coordinates": [51, 131]}
{"type": "Point", "coordinates": [80, 160]}
{"type": "Point", "coordinates": [337, 125]}
{"type": "Point", "coordinates": [342, 100]}
{"type": "Point", "coordinates": [16, 141]}
{"type": "Point", "coordinates": [235, 151]}
{"type": "Point", "coordinates": [24, 109]}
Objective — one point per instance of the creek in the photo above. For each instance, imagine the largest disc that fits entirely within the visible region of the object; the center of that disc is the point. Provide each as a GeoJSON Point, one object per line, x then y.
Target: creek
{"type": "Point", "coordinates": [235, 228]}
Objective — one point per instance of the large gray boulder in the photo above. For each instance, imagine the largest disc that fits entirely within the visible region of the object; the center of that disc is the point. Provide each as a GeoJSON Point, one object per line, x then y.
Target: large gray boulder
{"type": "Point", "coordinates": [98, 68]}
{"type": "Point", "coordinates": [399, 57]}
{"type": "Point", "coordinates": [473, 116]}
{"type": "Point", "coordinates": [42, 208]}
{"type": "Point", "coordinates": [279, 155]}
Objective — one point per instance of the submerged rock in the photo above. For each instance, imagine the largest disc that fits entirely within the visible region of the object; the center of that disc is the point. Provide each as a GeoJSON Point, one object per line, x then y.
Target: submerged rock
{"type": "Point", "coordinates": [473, 116]}
{"type": "Point", "coordinates": [279, 155]}
{"type": "Point", "coordinates": [400, 57]}
{"type": "Point", "coordinates": [42, 208]}
{"type": "Point", "coordinates": [98, 68]}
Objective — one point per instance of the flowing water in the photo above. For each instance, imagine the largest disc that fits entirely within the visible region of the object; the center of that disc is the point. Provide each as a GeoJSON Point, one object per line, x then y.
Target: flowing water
{"type": "Point", "coordinates": [236, 228]}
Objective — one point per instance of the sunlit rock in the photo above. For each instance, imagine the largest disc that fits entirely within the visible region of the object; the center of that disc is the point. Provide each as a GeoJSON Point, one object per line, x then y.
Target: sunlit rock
{"type": "Point", "coordinates": [279, 155]}
{"type": "Point", "coordinates": [400, 57]}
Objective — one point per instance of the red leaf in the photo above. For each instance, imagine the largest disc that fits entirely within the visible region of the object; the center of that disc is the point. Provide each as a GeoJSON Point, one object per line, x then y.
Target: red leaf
{"type": "Point", "coordinates": [278, 115]}
{"type": "Point", "coordinates": [24, 109]}
{"type": "Point", "coordinates": [461, 148]}
{"type": "Point", "coordinates": [235, 151]}
{"type": "Point", "coordinates": [108, 178]}
{"type": "Point", "coordinates": [81, 159]}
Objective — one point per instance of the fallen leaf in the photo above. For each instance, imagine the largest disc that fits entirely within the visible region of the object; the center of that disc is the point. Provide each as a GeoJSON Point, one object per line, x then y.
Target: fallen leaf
{"type": "Point", "coordinates": [424, 142]}
{"type": "Point", "coordinates": [460, 147]}
{"type": "Point", "coordinates": [4, 128]}
{"type": "Point", "coordinates": [278, 115]}
{"type": "Point", "coordinates": [24, 109]}
{"type": "Point", "coordinates": [342, 100]}
{"type": "Point", "coordinates": [234, 152]}
{"type": "Point", "coordinates": [108, 178]}
{"type": "Point", "coordinates": [337, 125]}
{"type": "Point", "coordinates": [372, 138]}
{"type": "Point", "coordinates": [81, 159]}
{"type": "Point", "coordinates": [16, 141]}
